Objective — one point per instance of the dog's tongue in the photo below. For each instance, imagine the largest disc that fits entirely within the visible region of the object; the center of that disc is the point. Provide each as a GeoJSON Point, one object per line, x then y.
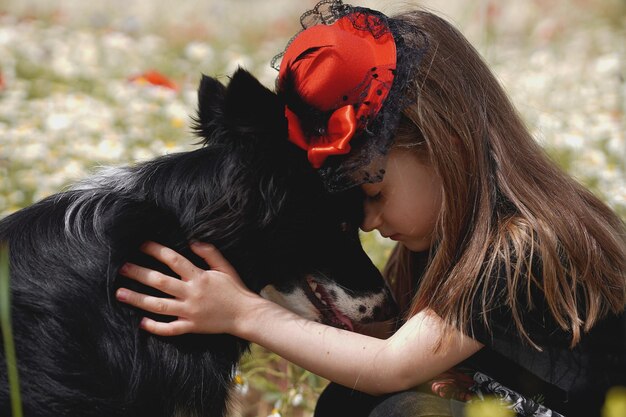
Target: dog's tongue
{"type": "Point", "coordinates": [316, 292]}
{"type": "Point", "coordinates": [344, 320]}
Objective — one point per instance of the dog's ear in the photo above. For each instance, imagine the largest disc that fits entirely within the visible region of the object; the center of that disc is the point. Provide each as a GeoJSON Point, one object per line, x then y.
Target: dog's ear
{"type": "Point", "coordinates": [244, 111]}
{"type": "Point", "coordinates": [252, 109]}
{"type": "Point", "coordinates": [210, 108]}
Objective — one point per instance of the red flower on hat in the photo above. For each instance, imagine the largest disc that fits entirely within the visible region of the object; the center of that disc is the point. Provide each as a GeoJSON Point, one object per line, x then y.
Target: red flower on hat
{"type": "Point", "coordinates": [336, 140]}
{"type": "Point", "coordinates": [153, 77]}
{"type": "Point", "coordinates": [343, 70]}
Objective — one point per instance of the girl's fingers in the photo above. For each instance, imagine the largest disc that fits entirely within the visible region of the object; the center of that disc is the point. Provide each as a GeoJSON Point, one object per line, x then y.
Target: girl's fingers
{"type": "Point", "coordinates": [154, 279]}
{"type": "Point", "coordinates": [177, 263]}
{"type": "Point", "coordinates": [213, 258]}
{"type": "Point", "coordinates": [173, 328]}
{"type": "Point", "coordinates": [164, 306]}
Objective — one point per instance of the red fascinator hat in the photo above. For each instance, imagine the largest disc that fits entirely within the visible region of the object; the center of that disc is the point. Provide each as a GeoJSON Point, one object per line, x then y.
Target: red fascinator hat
{"type": "Point", "coordinates": [343, 80]}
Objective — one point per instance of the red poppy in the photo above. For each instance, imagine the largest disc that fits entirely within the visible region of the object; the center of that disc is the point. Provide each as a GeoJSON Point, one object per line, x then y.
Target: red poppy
{"type": "Point", "coordinates": [153, 77]}
{"type": "Point", "coordinates": [2, 83]}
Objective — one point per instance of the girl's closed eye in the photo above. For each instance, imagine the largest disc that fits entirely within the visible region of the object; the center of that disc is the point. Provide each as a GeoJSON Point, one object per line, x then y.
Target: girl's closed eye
{"type": "Point", "coordinates": [374, 197]}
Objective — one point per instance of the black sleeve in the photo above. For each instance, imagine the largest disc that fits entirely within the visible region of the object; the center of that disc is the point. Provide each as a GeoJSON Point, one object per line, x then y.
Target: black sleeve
{"type": "Point", "coordinates": [510, 358]}
{"type": "Point", "coordinates": [536, 317]}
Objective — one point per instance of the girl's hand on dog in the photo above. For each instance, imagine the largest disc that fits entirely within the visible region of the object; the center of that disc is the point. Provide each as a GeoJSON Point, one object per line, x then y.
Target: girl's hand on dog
{"type": "Point", "coordinates": [204, 301]}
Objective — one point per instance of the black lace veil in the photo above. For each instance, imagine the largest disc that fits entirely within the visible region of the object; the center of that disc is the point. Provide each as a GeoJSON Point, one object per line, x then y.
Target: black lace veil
{"type": "Point", "coordinates": [366, 161]}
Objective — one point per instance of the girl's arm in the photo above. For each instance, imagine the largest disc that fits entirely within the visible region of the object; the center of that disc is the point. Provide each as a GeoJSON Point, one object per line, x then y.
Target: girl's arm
{"type": "Point", "coordinates": [216, 301]}
{"type": "Point", "coordinates": [375, 366]}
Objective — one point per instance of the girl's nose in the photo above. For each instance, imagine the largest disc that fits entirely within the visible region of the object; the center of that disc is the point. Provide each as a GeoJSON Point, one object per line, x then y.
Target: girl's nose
{"type": "Point", "coordinates": [371, 218]}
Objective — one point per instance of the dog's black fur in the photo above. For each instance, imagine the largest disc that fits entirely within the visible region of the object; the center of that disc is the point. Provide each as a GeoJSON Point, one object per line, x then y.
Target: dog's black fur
{"type": "Point", "coordinates": [248, 191]}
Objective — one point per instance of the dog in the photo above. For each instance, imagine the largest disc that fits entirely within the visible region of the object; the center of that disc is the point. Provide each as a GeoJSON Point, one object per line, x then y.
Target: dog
{"type": "Point", "coordinates": [248, 191]}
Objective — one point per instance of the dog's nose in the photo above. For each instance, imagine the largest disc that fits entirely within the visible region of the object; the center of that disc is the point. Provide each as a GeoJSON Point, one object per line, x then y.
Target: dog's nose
{"type": "Point", "coordinates": [388, 310]}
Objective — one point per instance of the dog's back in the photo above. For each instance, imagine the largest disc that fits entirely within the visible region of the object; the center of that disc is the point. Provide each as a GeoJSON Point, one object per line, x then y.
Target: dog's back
{"type": "Point", "coordinates": [78, 351]}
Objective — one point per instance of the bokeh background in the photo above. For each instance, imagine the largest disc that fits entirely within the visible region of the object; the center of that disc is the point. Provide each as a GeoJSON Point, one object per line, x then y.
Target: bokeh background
{"type": "Point", "coordinates": [85, 84]}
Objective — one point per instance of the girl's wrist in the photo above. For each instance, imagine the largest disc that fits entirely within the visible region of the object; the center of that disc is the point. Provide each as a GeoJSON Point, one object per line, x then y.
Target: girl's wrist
{"type": "Point", "coordinates": [248, 316]}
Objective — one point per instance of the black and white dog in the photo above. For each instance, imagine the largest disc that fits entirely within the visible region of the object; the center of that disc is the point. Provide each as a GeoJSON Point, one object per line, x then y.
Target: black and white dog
{"type": "Point", "coordinates": [248, 191]}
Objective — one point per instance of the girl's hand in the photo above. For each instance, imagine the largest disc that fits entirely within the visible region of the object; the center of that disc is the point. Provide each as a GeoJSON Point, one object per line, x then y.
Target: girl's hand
{"type": "Point", "coordinates": [205, 301]}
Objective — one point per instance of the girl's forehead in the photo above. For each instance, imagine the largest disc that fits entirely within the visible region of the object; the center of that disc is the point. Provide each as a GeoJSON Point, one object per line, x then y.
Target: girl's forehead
{"type": "Point", "coordinates": [398, 158]}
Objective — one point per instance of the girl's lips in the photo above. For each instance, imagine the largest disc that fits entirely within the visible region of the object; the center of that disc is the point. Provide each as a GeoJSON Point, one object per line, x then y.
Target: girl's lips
{"type": "Point", "coordinates": [393, 237]}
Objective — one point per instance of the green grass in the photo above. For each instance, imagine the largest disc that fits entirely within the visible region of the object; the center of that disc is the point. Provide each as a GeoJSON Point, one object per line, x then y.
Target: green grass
{"type": "Point", "coordinates": [7, 333]}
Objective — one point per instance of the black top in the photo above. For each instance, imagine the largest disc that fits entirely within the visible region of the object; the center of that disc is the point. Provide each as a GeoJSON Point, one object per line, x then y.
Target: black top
{"type": "Point", "coordinates": [570, 381]}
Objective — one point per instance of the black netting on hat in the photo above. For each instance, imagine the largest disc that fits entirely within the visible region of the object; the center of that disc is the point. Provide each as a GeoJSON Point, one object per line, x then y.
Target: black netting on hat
{"type": "Point", "coordinates": [369, 148]}
{"type": "Point", "coordinates": [326, 12]}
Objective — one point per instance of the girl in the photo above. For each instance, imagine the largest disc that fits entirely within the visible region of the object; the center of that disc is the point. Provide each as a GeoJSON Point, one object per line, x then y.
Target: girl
{"type": "Point", "coordinates": [512, 275]}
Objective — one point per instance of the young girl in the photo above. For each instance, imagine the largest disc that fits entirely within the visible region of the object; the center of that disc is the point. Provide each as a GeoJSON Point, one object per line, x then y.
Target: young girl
{"type": "Point", "coordinates": [512, 275]}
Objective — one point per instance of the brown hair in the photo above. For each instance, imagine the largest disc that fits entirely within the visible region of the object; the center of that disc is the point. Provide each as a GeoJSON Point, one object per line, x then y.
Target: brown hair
{"type": "Point", "coordinates": [505, 203]}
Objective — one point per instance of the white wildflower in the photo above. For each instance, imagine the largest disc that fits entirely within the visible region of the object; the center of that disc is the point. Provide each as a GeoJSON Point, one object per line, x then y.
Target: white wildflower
{"type": "Point", "coordinates": [199, 52]}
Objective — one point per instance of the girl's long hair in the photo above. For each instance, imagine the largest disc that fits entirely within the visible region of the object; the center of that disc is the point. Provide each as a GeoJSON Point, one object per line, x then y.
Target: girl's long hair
{"type": "Point", "coordinates": [506, 205]}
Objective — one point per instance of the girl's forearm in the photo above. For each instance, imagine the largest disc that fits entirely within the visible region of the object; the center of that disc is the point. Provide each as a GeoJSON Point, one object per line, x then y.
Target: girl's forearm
{"type": "Point", "coordinates": [375, 366]}
{"type": "Point", "coordinates": [347, 358]}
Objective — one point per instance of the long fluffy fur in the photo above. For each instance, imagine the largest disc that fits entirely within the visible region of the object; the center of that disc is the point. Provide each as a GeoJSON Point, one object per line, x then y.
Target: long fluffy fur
{"type": "Point", "coordinates": [79, 351]}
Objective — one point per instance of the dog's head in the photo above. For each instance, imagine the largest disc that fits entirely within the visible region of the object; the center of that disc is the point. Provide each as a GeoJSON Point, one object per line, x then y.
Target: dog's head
{"type": "Point", "coordinates": [303, 239]}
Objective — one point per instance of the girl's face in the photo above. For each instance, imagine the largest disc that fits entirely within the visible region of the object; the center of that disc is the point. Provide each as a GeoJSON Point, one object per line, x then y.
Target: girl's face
{"type": "Point", "coordinates": [406, 204]}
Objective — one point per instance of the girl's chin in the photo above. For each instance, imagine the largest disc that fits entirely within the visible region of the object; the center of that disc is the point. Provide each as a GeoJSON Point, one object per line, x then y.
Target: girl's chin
{"type": "Point", "coordinates": [416, 245]}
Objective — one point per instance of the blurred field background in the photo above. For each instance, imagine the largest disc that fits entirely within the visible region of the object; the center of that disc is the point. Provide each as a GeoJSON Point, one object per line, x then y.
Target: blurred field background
{"type": "Point", "coordinates": [85, 84]}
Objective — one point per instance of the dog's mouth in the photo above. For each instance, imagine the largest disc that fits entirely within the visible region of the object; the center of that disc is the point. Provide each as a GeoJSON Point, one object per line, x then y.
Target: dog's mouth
{"type": "Point", "coordinates": [323, 302]}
